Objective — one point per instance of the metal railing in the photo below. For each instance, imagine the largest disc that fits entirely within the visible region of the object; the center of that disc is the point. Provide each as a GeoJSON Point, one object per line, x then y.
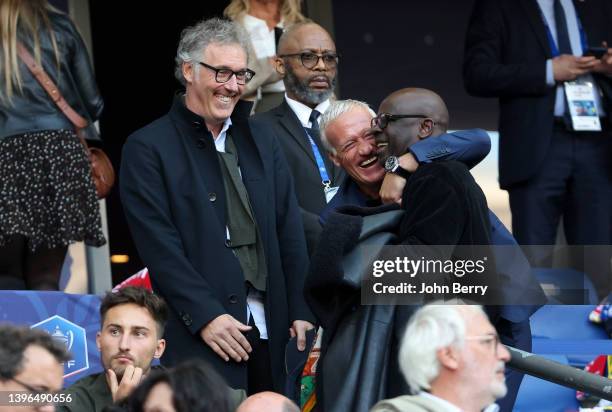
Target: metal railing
{"type": "Point", "coordinates": [560, 374]}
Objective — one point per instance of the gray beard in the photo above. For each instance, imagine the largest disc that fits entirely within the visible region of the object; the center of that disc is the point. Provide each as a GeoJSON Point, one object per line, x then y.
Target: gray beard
{"type": "Point", "coordinates": [303, 93]}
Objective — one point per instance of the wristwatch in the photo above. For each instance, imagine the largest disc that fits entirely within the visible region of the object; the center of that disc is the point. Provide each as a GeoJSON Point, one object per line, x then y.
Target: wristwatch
{"type": "Point", "coordinates": [392, 165]}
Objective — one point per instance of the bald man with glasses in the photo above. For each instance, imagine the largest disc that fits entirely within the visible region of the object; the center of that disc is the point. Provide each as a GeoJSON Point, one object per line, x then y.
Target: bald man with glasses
{"type": "Point", "coordinates": [308, 63]}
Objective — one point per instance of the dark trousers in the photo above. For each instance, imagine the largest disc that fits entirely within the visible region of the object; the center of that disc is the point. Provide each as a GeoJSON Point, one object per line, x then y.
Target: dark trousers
{"type": "Point", "coordinates": [259, 370]}
{"type": "Point", "coordinates": [20, 268]}
{"type": "Point", "coordinates": [575, 182]}
{"type": "Point", "coordinates": [517, 335]}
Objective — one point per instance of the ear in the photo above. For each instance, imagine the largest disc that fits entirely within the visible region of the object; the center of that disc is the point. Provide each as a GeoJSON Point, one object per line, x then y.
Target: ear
{"type": "Point", "coordinates": [334, 158]}
{"type": "Point", "coordinates": [160, 348]}
{"type": "Point", "coordinates": [188, 72]}
{"type": "Point", "coordinates": [449, 357]}
{"type": "Point", "coordinates": [279, 66]}
{"type": "Point", "coordinates": [426, 128]}
{"type": "Point", "coordinates": [98, 337]}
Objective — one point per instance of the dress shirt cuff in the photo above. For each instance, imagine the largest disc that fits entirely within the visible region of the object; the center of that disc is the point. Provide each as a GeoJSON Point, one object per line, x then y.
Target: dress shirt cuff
{"type": "Point", "coordinates": [550, 76]}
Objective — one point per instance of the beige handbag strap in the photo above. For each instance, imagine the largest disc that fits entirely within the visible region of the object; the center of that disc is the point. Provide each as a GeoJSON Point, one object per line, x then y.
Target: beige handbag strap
{"type": "Point", "coordinates": [52, 90]}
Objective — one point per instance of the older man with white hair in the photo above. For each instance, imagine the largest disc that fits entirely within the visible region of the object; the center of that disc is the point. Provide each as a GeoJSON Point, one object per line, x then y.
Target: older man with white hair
{"type": "Point", "coordinates": [452, 360]}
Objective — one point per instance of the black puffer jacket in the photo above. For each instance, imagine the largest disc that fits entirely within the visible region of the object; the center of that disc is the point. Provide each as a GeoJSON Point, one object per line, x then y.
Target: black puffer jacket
{"type": "Point", "coordinates": [33, 110]}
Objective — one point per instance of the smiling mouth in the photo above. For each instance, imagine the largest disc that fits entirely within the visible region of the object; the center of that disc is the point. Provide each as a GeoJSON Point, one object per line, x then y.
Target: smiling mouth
{"type": "Point", "coordinates": [368, 163]}
{"type": "Point", "coordinates": [224, 98]}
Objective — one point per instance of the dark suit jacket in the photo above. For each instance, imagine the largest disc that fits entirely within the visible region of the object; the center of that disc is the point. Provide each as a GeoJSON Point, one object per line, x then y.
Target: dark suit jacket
{"type": "Point", "coordinates": [506, 50]}
{"type": "Point", "coordinates": [303, 166]}
{"type": "Point", "coordinates": [174, 199]}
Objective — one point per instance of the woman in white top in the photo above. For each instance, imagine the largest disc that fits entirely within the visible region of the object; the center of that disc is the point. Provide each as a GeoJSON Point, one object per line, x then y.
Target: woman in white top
{"type": "Point", "coordinates": [264, 20]}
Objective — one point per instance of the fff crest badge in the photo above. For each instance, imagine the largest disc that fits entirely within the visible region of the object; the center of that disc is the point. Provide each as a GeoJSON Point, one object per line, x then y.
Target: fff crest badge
{"type": "Point", "coordinates": [73, 337]}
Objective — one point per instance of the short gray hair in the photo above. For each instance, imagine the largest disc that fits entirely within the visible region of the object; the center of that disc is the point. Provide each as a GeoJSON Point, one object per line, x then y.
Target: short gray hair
{"type": "Point", "coordinates": [431, 328]}
{"type": "Point", "coordinates": [335, 110]}
{"type": "Point", "coordinates": [195, 39]}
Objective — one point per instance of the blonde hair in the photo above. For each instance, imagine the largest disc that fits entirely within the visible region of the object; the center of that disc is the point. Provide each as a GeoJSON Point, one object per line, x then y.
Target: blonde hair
{"type": "Point", "coordinates": [290, 10]}
{"type": "Point", "coordinates": [21, 20]}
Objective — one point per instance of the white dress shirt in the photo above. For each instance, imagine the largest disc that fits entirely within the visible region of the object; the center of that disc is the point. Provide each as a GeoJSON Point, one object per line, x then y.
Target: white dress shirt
{"type": "Point", "coordinates": [303, 112]}
{"type": "Point", "coordinates": [264, 45]}
{"type": "Point", "coordinates": [573, 30]}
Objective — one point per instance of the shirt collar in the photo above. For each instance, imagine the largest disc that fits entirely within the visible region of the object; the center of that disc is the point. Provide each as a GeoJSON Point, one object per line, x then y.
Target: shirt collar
{"type": "Point", "coordinates": [303, 112]}
{"type": "Point", "coordinates": [220, 140]}
{"type": "Point", "coordinates": [449, 407]}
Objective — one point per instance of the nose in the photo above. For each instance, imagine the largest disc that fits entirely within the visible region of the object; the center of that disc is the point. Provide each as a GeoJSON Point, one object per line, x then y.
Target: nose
{"type": "Point", "coordinates": [320, 66]}
{"type": "Point", "coordinates": [365, 147]}
{"type": "Point", "coordinates": [124, 342]}
{"type": "Point", "coordinates": [379, 136]}
{"type": "Point", "coordinates": [503, 353]}
{"type": "Point", "coordinates": [232, 84]}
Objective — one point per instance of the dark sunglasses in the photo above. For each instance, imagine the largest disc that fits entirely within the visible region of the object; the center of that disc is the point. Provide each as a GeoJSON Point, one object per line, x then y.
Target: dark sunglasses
{"type": "Point", "coordinates": [382, 120]}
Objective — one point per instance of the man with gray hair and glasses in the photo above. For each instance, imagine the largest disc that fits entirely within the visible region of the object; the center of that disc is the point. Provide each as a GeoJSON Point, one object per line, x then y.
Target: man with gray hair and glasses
{"type": "Point", "coordinates": [453, 361]}
{"type": "Point", "coordinates": [211, 207]}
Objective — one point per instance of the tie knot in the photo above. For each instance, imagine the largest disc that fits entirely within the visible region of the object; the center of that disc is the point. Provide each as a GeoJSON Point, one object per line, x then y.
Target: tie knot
{"type": "Point", "coordinates": [314, 116]}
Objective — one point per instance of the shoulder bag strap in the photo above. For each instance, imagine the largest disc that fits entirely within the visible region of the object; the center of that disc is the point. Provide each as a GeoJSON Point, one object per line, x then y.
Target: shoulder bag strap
{"type": "Point", "coordinates": [52, 90]}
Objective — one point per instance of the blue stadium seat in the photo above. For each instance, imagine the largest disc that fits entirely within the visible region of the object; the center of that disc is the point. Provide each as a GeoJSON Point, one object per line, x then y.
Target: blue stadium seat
{"type": "Point", "coordinates": [565, 322]}
{"type": "Point", "coordinates": [542, 396]}
{"type": "Point", "coordinates": [566, 330]}
{"type": "Point", "coordinates": [567, 286]}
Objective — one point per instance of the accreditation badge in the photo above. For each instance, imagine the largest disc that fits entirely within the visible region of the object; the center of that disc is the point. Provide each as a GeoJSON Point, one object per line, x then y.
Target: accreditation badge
{"type": "Point", "coordinates": [330, 192]}
{"type": "Point", "coordinates": [581, 103]}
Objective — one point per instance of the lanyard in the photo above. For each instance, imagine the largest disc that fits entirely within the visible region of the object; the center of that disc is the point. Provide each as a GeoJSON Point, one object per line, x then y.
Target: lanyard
{"type": "Point", "coordinates": [551, 41]}
{"type": "Point", "coordinates": [319, 159]}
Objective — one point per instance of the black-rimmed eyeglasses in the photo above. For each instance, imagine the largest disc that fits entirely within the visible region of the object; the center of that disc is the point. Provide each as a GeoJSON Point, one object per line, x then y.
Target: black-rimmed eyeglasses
{"type": "Point", "coordinates": [224, 75]}
{"type": "Point", "coordinates": [30, 388]}
{"type": "Point", "coordinates": [382, 120]}
{"type": "Point", "coordinates": [310, 60]}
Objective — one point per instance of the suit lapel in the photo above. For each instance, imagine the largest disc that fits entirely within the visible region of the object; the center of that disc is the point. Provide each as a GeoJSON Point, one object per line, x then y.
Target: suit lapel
{"type": "Point", "coordinates": [534, 15]}
{"type": "Point", "coordinates": [292, 124]}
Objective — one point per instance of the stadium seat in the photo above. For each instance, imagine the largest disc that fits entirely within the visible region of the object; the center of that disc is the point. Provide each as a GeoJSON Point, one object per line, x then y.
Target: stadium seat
{"type": "Point", "coordinates": [566, 330]}
{"type": "Point", "coordinates": [567, 286]}
{"type": "Point", "coordinates": [565, 322]}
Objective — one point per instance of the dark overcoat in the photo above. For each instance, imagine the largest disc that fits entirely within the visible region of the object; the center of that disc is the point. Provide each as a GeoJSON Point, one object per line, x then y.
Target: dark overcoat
{"type": "Point", "coordinates": [174, 199]}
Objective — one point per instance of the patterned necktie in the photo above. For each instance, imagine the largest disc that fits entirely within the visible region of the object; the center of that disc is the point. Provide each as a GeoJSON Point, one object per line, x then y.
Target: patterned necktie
{"type": "Point", "coordinates": [314, 116]}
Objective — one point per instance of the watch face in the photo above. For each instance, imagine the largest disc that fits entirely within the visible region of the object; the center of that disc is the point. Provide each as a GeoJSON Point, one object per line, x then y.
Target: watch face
{"type": "Point", "coordinates": [391, 163]}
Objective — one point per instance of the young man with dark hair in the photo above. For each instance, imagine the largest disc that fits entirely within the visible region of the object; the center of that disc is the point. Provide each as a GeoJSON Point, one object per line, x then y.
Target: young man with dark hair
{"type": "Point", "coordinates": [30, 360]}
{"type": "Point", "coordinates": [130, 337]}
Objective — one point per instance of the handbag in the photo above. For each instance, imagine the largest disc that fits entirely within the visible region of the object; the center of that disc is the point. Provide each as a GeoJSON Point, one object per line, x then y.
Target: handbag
{"type": "Point", "coordinates": [102, 171]}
